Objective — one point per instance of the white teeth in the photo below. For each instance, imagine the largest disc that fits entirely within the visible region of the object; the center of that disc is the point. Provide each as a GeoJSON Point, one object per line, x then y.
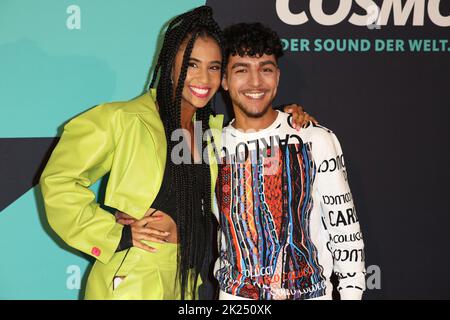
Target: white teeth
{"type": "Point", "coordinates": [254, 95]}
{"type": "Point", "coordinates": [200, 91]}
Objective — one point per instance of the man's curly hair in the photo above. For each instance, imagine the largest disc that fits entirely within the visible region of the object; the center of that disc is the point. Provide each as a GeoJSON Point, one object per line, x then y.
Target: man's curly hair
{"type": "Point", "coordinates": [252, 39]}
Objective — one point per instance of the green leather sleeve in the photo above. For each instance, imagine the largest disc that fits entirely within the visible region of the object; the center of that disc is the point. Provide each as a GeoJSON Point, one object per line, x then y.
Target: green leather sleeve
{"type": "Point", "coordinates": [83, 155]}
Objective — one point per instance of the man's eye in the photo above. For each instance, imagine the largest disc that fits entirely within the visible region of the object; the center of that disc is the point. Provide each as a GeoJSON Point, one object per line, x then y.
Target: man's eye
{"type": "Point", "coordinates": [267, 70]}
{"type": "Point", "coordinates": [241, 71]}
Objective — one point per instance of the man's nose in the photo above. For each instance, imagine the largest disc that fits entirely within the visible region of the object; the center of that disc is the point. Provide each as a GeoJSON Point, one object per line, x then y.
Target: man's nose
{"type": "Point", "coordinates": [255, 78]}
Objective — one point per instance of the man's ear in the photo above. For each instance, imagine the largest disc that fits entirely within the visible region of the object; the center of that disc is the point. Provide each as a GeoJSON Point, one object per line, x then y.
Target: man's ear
{"type": "Point", "coordinates": [279, 75]}
{"type": "Point", "coordinates": [224, 82]}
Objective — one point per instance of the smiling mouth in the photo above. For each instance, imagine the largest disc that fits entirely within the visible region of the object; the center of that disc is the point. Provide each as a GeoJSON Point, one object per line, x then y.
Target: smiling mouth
{"type": "Point", "coordinates": [255, 95]}
{"type": "Point", "coordinates": [200, 92]}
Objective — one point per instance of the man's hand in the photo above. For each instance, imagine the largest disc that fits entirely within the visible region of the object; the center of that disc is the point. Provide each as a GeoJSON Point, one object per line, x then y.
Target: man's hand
{"type": "Point", "coordinates": [124, 218]}
{"type": "Point", "coordinates": [142, 230]}
{"type": "Point", "coordinates": [299, 116]}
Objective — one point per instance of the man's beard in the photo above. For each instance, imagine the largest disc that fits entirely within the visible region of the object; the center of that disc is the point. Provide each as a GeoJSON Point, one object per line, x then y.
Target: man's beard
{"type": "Point", "coordinates": [251, 114]}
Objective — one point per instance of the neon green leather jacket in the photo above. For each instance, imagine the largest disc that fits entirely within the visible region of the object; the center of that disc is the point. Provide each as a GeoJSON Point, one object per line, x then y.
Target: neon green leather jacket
{"type": "Point", "coordinates": [126, 139]}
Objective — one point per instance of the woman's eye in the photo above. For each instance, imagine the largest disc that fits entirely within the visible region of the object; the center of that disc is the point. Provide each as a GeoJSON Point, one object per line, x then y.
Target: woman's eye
{"type": "Point", "coordinates": [216, 68]}
{"type": "Point", "coordinates": [192, 65]}
{"type": "Point", "coordinates": [241, 71]}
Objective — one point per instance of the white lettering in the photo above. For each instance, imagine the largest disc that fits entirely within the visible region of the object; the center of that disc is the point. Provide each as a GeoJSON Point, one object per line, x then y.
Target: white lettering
{"type": "Point", "coordinates": [73, 281]}
{"type": "Point", "coordinates": [401, 11]}
{"type": "Point", "coordinates": [74, 20]}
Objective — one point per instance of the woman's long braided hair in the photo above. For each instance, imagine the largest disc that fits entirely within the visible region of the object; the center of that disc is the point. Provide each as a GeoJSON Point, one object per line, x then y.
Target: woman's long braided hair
{"type": "Point", "coordinates": [194, 227]}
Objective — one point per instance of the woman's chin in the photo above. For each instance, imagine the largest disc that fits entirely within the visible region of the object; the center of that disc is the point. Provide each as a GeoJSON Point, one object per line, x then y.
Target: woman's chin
{"type": "Point", "coordinates": [198, 103]}
{"type": "Point", "coordinates": [200, 106]}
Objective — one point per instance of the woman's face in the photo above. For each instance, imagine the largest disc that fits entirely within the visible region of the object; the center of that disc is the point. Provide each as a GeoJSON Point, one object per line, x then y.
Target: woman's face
{"type": "Point", "coordinates": [203, 75]}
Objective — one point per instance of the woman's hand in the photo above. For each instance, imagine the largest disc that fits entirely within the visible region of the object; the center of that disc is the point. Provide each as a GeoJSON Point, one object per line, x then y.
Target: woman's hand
{"type": "Point", "coordinates": [299, 116]}
{"type": "Point", "coordinates": [142, 230]}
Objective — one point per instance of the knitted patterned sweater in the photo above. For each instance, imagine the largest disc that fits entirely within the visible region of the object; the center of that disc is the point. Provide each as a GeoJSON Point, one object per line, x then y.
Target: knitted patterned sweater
{"type": "Point", "coordinates": [286, 215]}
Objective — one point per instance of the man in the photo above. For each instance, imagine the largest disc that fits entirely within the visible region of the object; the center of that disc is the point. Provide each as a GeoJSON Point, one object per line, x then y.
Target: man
{"type": "Point", "coordinates": [284, 206]}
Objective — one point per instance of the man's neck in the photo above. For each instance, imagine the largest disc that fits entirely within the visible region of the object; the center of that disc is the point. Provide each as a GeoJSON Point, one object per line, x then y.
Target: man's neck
{"type": "Point", "coordinates": [243, 122]}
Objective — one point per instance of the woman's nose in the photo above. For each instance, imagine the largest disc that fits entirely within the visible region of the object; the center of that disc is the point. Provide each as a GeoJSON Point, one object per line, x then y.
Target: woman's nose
{"type": "Point", "coordinates": [204, 76]}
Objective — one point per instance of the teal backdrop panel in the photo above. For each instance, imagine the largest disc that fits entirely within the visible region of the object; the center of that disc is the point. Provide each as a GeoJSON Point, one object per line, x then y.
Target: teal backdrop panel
{"type": "Point", "coordinates": [59, 58]}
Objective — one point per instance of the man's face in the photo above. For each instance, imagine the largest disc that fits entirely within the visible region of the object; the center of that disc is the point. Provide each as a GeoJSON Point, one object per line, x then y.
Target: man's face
{"type": "Point", "coordinates": [252, 83]}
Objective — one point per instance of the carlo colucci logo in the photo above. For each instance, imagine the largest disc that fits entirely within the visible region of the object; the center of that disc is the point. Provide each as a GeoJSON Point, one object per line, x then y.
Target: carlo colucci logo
{"type": "Point", "coordinates": [74, 276]}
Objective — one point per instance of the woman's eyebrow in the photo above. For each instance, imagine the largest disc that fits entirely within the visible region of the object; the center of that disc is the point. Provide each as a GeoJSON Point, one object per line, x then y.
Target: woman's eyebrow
{"type": "Point", "coordinates": [198, 60]}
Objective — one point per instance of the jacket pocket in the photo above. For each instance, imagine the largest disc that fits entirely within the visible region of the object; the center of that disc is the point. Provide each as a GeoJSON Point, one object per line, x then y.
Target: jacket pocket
{"type": "Point", "coordinates": [124, 265]}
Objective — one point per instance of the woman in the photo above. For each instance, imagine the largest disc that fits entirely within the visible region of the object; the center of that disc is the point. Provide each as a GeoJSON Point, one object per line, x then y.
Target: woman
{"type": "Point", "coordinates": [160, 255]}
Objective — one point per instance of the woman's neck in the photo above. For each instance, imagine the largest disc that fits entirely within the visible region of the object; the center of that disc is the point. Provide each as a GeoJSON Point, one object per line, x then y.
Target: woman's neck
{"type": "Point", "coordinates": [187, 113]}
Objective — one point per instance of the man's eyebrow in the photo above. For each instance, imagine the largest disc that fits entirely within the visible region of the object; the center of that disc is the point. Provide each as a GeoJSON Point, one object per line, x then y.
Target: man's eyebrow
{"type": "Point", "coordinates": [265, 63]}
{"type": "Point", "coordinates": [261, 64]}
{"type": "Point", "coordinates": [239, 64]}
{"type": "Point", "coordinates": [198, 60]}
